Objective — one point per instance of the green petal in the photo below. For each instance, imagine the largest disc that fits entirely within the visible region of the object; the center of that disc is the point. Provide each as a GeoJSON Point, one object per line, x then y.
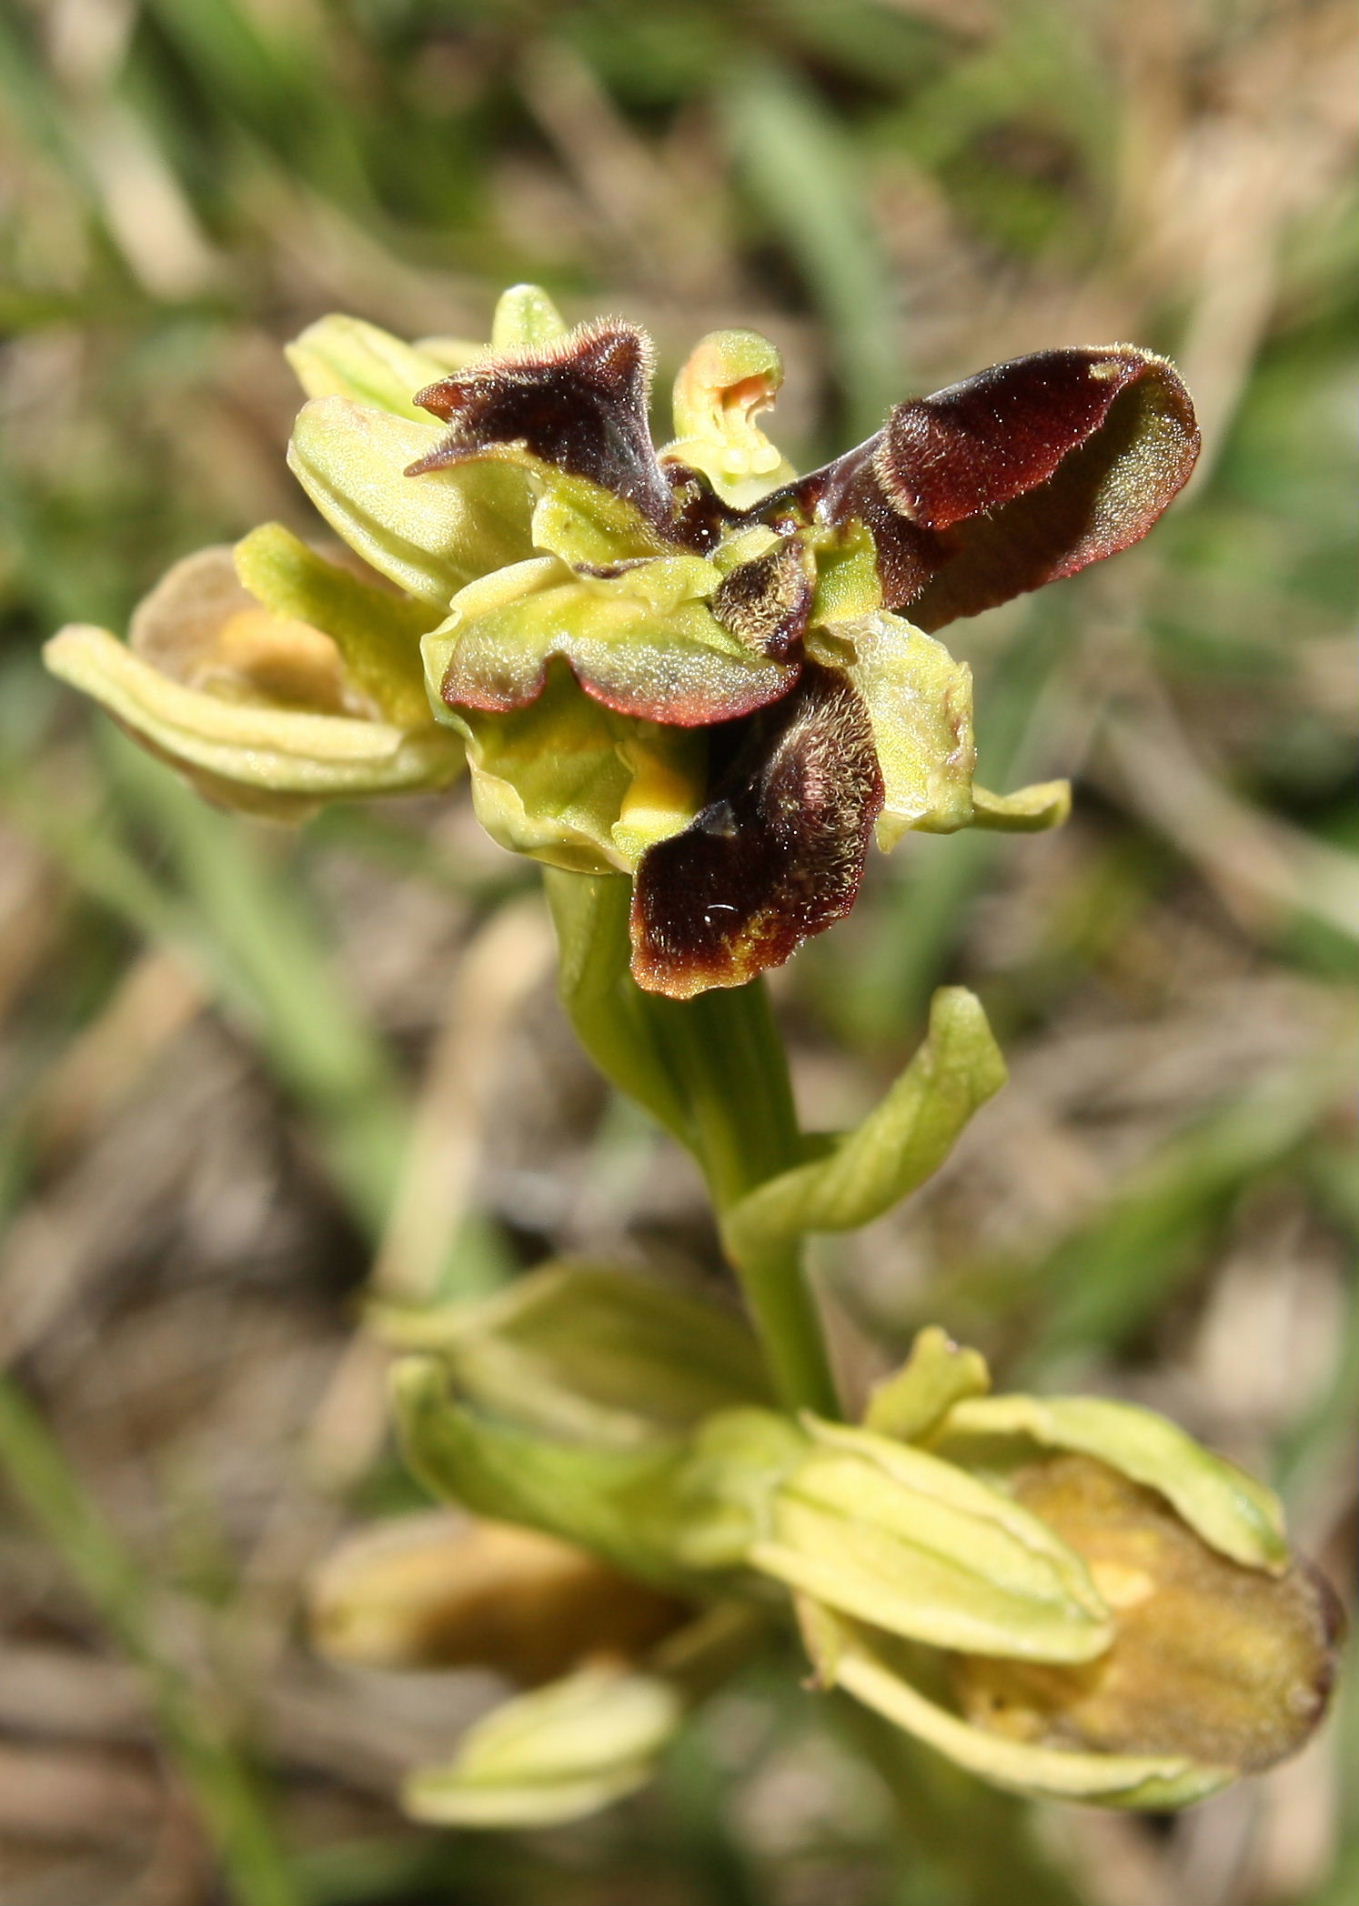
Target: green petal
{"type": "Point", "coordinates": [644, 643]}
{"type": "Point", "coordinates": [897, 1147]}
{"type": "Point", "coordinates": [937, 1374]}
{"type": "Point", "coordinates": [863, 1669]}
{"type": "Point", "coordinates": [847, 584]}
{"type": "Point", "coordinates": [1027, 811]}
{"type": "Point", "coordinates": [264, 759]}
{"type": "Point", "coordinates": [377, 633]}
{"type": "Point", "coordinates": [431, 535]}
{"type": "Point", "coordinates": [620, 1503]}
{"type": "Point", "coordinates": [919, 701]}
{"type": "Point", "coordinates": [555, 1755]}
{"type": "Point", "coordinates": [914, 1545]}
{"type": "Point", "coordinates": [584, 523]}
{"type": "Point", "coordinates": [525, 320]}
{"type": "Point", "coordinates": [344, 357]}
{"type": "Point", "coordinates": [570, 783]}
{"type": "Point", "coordinates": [583, 1350]}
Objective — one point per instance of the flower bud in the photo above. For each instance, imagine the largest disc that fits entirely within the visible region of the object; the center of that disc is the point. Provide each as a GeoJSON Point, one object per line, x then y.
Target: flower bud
{"type": "Point", "coordinates": [443, 1591]}
{"type": "Point", "coordinates": [556, 1755]}
{"type": "Point", "coordinates": [897, 1538]}
{"type": "Point", "coordinates": [1217, 1650]}
{"type": "Point", "coordinates": [586, 1351]}
{"type": "Point", "coordinates": [1224, 1664]}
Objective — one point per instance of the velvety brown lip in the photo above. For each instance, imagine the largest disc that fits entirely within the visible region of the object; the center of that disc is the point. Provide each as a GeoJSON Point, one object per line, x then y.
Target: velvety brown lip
{"type": "Point", "coordinates": [777, 855]}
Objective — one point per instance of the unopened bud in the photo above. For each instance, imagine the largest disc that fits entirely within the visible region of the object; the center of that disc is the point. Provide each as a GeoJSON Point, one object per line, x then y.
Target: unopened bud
{"type": "Point", "coordinates": [1227, 1665]}
{"type": "Point", "coordinates": [443, 1591]}
{"type": "Point", "coordinates": [553, 1756]}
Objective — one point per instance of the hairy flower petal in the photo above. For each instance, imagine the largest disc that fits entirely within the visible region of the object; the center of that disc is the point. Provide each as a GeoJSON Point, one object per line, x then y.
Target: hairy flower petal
{"type": "Point", "coordinates": [578, 406]}
{"type": "Point", "coordinates": [775, 856]}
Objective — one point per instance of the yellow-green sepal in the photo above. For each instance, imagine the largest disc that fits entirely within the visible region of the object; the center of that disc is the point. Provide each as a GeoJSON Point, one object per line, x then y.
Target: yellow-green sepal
{"type": "Point", "coordinates": [893, 1536]}
{"type": "Point", "coordinates": [1030, 810]}
{"type": "Point", "coordinates": [1229, 1510]}
{"type": "Point", "coordinates": [937, 1375]}
{"type": "Point", "coordinates": [620, 1503]}
{"type": "Point", "coordinates": [919, 702]}
{"type": "Point", "coordinates": [588, 1352]}
{"type": "Point", "coordinates": [281, 763]}
{"type": "Point", "coordinates": [849, 1656]}
{"type": "Point", "coordinates": [572, 784]}
{"type": "Point", "coordinates": [558, 1754]}
{"type": "Point", "coordinates": [377, 633]}
{"type": "Point", "coordinates": [340, 356]}
{"type": "Point", "coordinates": [525, 320]}
{"type": "Point", "coordinates": [431, 534]}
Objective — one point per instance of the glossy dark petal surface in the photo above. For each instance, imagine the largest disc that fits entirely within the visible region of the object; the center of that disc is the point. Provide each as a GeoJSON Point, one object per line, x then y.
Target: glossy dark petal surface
{"type": "Point", "coordinates": [777, 855]}
{"type": "Point", "coordinates": [1026, 473]}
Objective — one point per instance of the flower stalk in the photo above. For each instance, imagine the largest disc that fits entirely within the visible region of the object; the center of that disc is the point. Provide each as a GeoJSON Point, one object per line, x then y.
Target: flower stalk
{"type": "Point", "coordinates": [718, 1062]}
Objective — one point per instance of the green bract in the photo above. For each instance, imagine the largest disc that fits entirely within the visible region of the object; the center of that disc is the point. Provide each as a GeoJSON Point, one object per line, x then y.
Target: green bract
{"type": "Point", "coordinates": [685, 666]}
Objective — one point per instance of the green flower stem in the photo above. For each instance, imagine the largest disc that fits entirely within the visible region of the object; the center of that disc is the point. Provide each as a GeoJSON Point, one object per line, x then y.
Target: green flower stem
{"type": "Point", "coordinates": [728, 1059]}
{"type": "Point", "coordinates": [717, 1064]}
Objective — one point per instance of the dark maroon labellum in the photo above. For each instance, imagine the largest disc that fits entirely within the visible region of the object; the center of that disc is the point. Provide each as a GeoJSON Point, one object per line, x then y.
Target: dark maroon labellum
{"type": "Point", "coordinates": [777, 855]}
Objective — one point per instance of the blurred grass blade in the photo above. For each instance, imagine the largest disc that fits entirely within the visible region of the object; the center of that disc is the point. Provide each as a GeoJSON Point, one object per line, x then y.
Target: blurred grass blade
{"type": "Point", "coordinates": [227, 1794]}
{"type": "Point", "coordinates": [800, 170]}
{"type": "Point", "coordinates": [311, 1033]}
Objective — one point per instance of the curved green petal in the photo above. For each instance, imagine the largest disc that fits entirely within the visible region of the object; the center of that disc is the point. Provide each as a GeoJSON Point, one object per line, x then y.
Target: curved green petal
{"type": "Point", "coordinates": [903, 1140]}
{"type": "Point", "coordinates": [1029, 810]}
{"type": "Point", "coordinates": [277, 761]}
{"type": "Point", "coordinates": [919, 702]}
{"type": "Point", "coordinates": [571, 783]}
{"type": "Point", "coordinates": [344, 357]}
{"type": "Point", "coordinates": [850, 1660]}
{"type": "Point", "coordinates": [377, 633]}
{"type": "Point", "coordinates": [431, 535]}
{"type": "Point", "coordinates": [914, 1545]}
{"type": "Point", "coordinates": [643, 642]}
{"type": "Point", "coordinates": [1227, 1508]}
{"type": "Point", "coordinates": [558, 1754]}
